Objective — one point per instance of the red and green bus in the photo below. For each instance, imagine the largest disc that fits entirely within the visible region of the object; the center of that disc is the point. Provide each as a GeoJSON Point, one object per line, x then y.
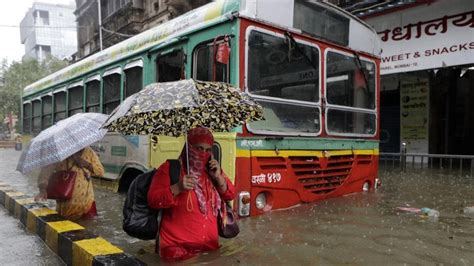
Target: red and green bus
{"type": "Point", "coordinates": [312, 66]}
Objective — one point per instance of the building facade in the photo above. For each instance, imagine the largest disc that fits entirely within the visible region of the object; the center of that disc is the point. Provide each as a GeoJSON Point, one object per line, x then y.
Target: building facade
{"type": "Point", "coordinates": [122, 19]}
{"type": "Point", "coordinates": [49, 29]}
{"type": "Point", "coordinates": [427, 67]}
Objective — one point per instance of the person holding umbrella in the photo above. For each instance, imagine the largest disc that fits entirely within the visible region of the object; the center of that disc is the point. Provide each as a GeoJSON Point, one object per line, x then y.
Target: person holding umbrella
{"type": "Point", "coordinates": [62, 153]}
{"type": "Point", "coordinates": [85, 163]}
{"type": "Point", "coordinates": [190, 207]}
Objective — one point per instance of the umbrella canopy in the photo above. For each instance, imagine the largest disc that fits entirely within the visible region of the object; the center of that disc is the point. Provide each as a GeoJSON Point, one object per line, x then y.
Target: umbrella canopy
{"type": "Point", "coordinates": [62, 140]}
{"type": "Point", "coordinates": [173, 108]}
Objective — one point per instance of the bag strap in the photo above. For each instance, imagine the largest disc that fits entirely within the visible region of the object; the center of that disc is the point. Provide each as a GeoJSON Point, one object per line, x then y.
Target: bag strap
{"type": "Point", "coordinates": [175, 171]}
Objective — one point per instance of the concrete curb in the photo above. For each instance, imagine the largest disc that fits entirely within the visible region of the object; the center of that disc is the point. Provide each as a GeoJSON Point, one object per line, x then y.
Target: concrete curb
{"type": "Point", "coordinates": [70, 241]}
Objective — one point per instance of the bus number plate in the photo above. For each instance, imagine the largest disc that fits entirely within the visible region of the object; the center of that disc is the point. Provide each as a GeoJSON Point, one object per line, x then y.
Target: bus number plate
{"type": "Point", "coordinates": [266, 178]}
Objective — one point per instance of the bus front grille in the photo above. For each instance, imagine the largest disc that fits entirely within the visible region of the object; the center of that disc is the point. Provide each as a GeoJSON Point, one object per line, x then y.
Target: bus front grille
{"type": "Point", "coordinates": [321, 175]}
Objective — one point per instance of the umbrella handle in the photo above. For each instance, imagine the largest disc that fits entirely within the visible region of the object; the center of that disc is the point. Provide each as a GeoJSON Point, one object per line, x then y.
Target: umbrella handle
{"type": "Point", "coordinates": [187, 152]}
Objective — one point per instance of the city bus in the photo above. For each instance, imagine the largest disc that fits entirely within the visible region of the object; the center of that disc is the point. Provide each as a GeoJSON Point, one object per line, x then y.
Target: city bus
{"type": "Point", "coordinates": [312, 66]}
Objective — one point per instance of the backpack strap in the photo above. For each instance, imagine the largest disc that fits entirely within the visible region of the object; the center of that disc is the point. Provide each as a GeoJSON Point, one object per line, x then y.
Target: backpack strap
{"type": "Point", "coordinates": [175, 171]}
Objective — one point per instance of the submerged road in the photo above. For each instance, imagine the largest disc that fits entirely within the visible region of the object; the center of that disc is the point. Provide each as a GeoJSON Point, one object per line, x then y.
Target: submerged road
{"type": "Point", "coordinates": [363, 228]}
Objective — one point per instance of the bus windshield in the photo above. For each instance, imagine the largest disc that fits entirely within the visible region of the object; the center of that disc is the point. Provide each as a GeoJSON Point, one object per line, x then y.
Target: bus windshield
{"type": "Point", "coordinates": [285, 79]}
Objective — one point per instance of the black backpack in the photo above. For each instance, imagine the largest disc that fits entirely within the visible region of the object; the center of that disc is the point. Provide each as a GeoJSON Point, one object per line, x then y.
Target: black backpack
{"type": "Point", "coordinates": [139, 220]}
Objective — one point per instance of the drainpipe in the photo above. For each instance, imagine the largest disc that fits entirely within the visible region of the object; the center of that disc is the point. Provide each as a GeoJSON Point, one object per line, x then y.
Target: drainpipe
{"type": "Point", "coordinates": [100, 23]}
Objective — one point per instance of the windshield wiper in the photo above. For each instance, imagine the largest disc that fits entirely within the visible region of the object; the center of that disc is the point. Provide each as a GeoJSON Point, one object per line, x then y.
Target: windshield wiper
{"type": "Point", "coordinates": [358, 64]}
{"type": "Point", "coordinates": [292, 41]}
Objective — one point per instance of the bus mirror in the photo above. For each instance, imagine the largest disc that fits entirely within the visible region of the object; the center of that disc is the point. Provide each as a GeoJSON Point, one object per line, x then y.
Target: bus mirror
{"type": "Point", "coordinates": [223, 52]}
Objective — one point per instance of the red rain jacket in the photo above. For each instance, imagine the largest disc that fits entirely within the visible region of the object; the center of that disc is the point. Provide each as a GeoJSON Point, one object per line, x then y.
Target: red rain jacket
{"type": "Point", "coordinates": [185, 231]}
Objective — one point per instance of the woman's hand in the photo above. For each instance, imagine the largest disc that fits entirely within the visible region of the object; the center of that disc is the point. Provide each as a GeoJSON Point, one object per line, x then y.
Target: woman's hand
{"type": "Point", "coordinates": [187, 183]}
{"type": "Point", "coordinates": [215, 172]}
{"type": "Point", "coordinates": [41, 196]}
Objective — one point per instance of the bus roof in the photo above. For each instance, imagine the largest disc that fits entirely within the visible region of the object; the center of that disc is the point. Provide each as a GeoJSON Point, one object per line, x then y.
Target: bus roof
{"type": "Point", "coordinates": [163, 33]}
{"type": "Point", "coordinates": [279, 13]}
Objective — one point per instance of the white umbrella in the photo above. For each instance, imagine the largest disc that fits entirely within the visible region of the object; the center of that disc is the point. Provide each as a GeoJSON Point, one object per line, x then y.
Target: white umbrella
{"type": "Point", "coordinates": [62, 140]}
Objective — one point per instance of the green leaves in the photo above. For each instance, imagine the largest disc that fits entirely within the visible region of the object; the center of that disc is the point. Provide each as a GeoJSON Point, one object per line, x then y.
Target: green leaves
{"type": "Point", "coordinates": [16, 76]}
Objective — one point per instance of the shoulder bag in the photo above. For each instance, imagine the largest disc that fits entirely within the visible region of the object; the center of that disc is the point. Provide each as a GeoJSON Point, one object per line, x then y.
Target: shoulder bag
{"type": "Point", "coordinates": [61, 185]}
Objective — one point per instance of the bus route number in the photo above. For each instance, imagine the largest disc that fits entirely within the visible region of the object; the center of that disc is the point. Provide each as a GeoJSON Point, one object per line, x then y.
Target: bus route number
{"type": "Point", "coordinates": [266, 178]}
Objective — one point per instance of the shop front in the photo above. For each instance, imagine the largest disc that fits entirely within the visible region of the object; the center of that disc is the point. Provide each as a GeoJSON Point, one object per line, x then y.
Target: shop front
{"type": "Point", "coordinates": [427, 85]}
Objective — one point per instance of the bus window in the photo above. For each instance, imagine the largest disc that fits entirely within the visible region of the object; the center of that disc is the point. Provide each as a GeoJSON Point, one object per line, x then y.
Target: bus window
{"type": "Point", "coordinates": [27, 118]}
{"type": "Point", "coordinates": [133, 80]}
{"type": "Point", "coordinates": [345, 83]}
{"type": "Point", "coordinates": [93, 96]}
{"type": "Point", "coordinates": [111, 90]}
{"type": "Point", "coordinates": [47, 113]}
{"type": "Point", "coordinates": [204, 63]}
{"type": "Point", "coordinates": [36, 116]}
{"type": "Point", "coordinates": [75, 96]}
{"type": "Point", "coordinates": [59, 106]}
{"type": "Point", "coordinates": [285, 80]}
{"type": "Point", "coordinates": [350, 84]}
{"type": "Point", "coordinates": [170, 67]}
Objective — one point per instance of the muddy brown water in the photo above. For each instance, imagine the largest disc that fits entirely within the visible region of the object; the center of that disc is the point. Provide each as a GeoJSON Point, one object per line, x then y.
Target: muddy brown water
{"type": "Point", "coordinates": [362, 228]}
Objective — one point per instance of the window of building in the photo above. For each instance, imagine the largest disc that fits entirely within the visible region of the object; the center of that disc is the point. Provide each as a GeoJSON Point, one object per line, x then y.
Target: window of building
{"type": "Point", "coordinates": [41, 17]}
{"type": "Point", "coordinates": [59, 106]}
{"type": "Point", "coordinates": [112, 80]}
{"type": "Point", "coordinates": [170, 67]}
{"type": "Point", "coordinates": [36, 116]}
{"type": "Point", "coordinates": [42, 51]}
{"type": "Point", "coordinates": [109, 7]}
{"type": "Point", "coordinates": [47, 114]}
{"type": "Point", "coordinates": [75, 100]}
{"type": "Point", "coordinates": [27, 118]}
{"type": "Point", "coordinates": [206, 66]}
{"type": "Point", "coordinates": [93, 96]}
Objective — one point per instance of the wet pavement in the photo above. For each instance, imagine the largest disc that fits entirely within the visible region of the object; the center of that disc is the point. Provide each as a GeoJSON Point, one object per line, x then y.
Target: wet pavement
{"type": "Point", "coordinates": [363, 228]}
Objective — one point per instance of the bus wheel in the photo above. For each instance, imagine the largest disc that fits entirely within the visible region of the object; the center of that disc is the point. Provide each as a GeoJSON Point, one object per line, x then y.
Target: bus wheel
{"type": "Point", "coordinates": [127, 177]}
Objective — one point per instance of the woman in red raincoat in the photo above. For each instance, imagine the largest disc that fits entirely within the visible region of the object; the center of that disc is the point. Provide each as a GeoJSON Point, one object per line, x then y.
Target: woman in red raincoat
{"type": "Point", "coordinates": [189, 221]}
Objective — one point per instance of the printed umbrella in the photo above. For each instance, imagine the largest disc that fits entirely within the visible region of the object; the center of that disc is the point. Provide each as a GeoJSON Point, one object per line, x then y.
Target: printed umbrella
{"type": "Point", "coordinates": [173, 108]}
{"type": "Point", "coordinates": [62, 140]}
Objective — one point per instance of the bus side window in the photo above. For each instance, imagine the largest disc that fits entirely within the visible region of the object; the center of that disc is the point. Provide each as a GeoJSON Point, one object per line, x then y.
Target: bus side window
{"type": "Point", "coordinates": [93, 96]}
{"type": "Point", "coordinates": [112, 79]}
{"type": "Point", "coordinates": [75, 99]}
{"type": "Point", "coordinates": [211, 62]}
{"type": "Point", "coordinates": [59, 106]}
{"type": "Point", "coordinates": [133, 80]}
{"type": "Point", "coordinates": [36, 116]}
{"type": "Point", "coordinates": [27, 118]}
{"type": "Point", "coordinates": [47, 112]}
{"type": "Point", "coordinates": [170, 67]}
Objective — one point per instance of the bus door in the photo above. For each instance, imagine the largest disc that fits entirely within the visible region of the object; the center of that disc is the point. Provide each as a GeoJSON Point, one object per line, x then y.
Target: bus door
{"type": "Point", "coordinates": [211, 62]}
{"type": "Point", "coordinates": [170, 65]}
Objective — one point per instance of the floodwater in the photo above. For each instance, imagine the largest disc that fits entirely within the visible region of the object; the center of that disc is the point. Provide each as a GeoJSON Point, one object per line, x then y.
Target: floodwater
{"type": "Point", "coordinates": [363, 228]}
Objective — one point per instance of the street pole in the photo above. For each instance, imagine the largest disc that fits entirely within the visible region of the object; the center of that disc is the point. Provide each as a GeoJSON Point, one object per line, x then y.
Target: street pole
{"type": "Point", "coordinates": [100, 24]}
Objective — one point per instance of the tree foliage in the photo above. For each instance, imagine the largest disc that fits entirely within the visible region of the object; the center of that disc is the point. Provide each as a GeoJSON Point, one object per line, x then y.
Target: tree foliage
{"type": "Point", "coordinates": [16, 76]}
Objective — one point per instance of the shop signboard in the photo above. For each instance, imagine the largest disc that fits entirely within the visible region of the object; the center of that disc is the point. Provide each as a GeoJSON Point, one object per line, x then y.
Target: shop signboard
{"type": "Point", "coordinates": [429, 36]}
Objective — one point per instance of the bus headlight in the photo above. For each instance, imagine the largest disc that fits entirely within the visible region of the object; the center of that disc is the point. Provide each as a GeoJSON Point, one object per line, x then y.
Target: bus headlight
{"type": "Point", "coordinates": [244, 203]}
{"type": "Point", "coordinates": [261, 200]}
{"type": "Point", "coordinates": [366, 186]}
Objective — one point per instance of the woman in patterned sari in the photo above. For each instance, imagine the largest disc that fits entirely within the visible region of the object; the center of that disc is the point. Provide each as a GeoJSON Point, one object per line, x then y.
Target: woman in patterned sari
{"type": "Point", "coordinates": [85, 163]}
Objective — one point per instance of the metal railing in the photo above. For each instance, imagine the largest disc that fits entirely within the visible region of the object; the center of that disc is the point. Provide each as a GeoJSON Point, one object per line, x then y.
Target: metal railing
{"type": "Point", "coordinates": [452, 164]}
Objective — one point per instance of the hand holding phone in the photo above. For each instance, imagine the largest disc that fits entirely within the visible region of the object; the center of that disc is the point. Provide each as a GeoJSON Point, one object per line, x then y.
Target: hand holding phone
{"type": "Point", "coordinates": [215, 172]}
